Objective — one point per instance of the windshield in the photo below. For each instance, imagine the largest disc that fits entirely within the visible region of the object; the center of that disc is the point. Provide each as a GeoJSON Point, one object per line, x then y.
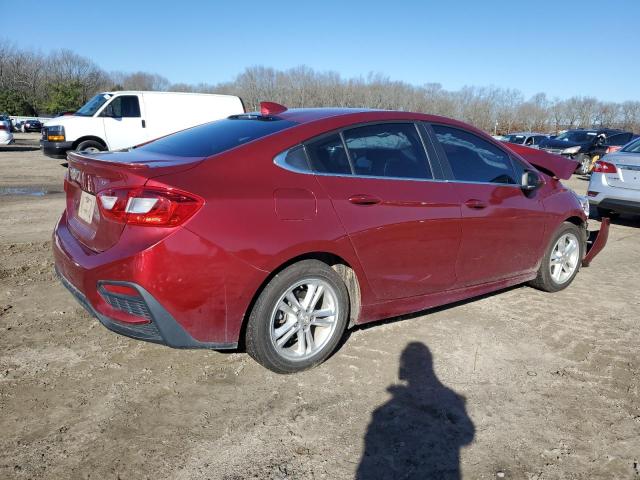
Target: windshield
{"type": "Point", "coordinates": [577, 136]}
{"type": "Point", "coordinates": [92, 106]}
{"type": "Point", "coordinates": [633, 147]}
{"type": "Point", "coordinates": [519, 139]}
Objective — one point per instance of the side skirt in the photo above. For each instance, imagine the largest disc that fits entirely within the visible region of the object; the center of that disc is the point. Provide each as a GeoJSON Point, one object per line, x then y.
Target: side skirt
{"type": "Point", "coordinates": [404, 306]}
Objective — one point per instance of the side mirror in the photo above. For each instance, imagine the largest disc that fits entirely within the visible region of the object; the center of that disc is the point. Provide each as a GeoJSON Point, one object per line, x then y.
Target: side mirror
{"type": "Point", "coordinates": [530, 181]}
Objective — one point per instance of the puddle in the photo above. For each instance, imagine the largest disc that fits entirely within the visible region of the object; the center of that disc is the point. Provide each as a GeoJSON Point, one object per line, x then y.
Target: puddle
{"type": "Point", "coordinates": [28, 191]}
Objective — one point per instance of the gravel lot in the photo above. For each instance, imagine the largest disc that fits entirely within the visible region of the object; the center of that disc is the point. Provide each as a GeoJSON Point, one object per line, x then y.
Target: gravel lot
{"type": "Point", "coordinates": [520, 384]}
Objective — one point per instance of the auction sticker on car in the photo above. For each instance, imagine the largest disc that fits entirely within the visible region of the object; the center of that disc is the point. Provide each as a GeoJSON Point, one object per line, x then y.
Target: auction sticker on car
{"type": "Point", "coordinates": [87, 204]}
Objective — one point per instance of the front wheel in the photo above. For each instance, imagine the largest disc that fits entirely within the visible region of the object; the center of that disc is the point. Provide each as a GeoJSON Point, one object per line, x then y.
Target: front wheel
{"type": "Point", "coordinates": [299, 318]}
{"type": "Point", "coordinates": [90, 146]}
{"type": "Point", "coordinates": [584, 164]}
{"type": "Point", "coordinates": [562, 259]}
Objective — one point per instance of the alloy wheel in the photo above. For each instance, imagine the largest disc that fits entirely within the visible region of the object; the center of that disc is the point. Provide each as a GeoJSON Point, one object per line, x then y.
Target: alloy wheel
{"type": "Point", "coordinates": [304, 319]}
{"type": "Point", "coordinates": [564, 258]}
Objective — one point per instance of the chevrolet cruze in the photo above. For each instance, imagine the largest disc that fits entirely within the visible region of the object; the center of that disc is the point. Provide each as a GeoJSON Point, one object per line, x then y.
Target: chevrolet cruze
{"type": "Point", "coordinates": [279, 230]}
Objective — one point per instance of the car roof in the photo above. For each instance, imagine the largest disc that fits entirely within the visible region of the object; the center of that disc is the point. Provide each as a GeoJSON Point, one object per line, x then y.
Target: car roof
{"type": "Point", "coordinates": [355, 115]}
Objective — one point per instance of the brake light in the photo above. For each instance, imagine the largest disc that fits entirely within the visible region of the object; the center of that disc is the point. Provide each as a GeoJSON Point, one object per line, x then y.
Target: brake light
{"type": "Point", "coordinates": [3, 126]}
{"type": "Point", "coordinates": [148, 206]}
{"type": "Point", "coordinates": [271, 108]}
{"type": "Point", "coordinates": [604, 167]}
{"type": "Point", "coordinates": [614, 148]}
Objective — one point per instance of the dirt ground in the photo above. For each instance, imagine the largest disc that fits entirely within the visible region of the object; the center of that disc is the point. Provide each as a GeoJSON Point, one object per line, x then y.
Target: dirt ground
{"type": "Point", "coordinates": [520, 384]}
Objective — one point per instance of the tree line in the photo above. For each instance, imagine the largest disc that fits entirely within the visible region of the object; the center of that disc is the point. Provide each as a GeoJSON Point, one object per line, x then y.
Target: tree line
{"type": "Point", "coordinates": [33, 83]}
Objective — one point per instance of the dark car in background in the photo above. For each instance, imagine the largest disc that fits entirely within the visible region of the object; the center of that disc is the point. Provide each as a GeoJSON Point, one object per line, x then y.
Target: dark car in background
{"type": "Point", "coordinates": [31, 126]}
{"type": "Point", "coordinates": [585, 145]}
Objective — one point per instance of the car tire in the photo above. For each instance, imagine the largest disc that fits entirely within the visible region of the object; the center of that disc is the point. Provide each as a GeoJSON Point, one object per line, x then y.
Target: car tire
{"type": "Point", "coordinates": [584, 164]}
{"type": "Point", "coordinates": [290, 327]}
{"type": "Point", "coordinates": [549, 278]}
{"type": "Point", "coordinates": [90, 146]}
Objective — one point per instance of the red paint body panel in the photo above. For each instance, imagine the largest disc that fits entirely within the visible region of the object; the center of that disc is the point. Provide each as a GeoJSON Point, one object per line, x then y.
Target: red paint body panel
{"type": "Point", "coordinates": [418, 247]}
{"type": "Point", "coordinates": [559, 166]}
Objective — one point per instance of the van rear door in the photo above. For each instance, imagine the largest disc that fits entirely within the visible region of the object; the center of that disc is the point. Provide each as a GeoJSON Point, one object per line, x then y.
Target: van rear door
{"type": "Point", "coordinates": [124, 123]}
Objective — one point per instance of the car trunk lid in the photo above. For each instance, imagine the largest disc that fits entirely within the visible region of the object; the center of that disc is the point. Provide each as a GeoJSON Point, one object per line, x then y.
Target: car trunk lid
{"type": "Point", "coordinates": [89, 174]}
{"type": "Point", "coordinates": [628, 175]}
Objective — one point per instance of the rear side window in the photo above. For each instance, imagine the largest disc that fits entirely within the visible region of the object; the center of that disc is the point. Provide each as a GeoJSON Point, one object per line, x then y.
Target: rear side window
{"type": "Point", "coordinates": [473, 159]}
{"type": "Point", "coordinates": [216, 137]}
{"type": "Point", "coordinates": [327, 155]}
{"type": "Point", "coordinates": [618, 140]}
{"type": "Point", "coordinates": [125, 106]}
{"type": "Point", "coordinates": [387, 150]}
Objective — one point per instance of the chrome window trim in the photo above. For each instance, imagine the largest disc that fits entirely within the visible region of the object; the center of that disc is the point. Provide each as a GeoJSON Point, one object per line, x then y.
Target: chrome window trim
{"type": "Point", "coordinates": [278, 160]}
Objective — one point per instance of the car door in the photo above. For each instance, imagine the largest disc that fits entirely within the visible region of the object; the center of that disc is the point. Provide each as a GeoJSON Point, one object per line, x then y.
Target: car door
{"type": "Point", "coordinates": [502, 226]}
{"type": "Point", "coordinates": [123, 123]}
{"type": "Point", "coordinates": [403, 225]}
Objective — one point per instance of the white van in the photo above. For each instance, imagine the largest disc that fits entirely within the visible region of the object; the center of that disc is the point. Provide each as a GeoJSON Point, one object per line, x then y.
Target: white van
{"type": "Point", "coordinates": [116, 120]}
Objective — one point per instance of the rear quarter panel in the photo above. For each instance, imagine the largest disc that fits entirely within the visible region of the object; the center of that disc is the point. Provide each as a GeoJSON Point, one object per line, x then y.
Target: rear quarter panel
{"type": "Point", "coordinates": [241, 218]}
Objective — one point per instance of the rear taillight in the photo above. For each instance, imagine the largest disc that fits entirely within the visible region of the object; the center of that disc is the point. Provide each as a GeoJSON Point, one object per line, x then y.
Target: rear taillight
{"type": "Point", "coordinates": [148, 206]}
{"type": "Point", "coordinates": [3, 126]}
{"type": "Point", "coordinates": [604, 167]}
{"type": "Point", "coordinates": [613, 148]}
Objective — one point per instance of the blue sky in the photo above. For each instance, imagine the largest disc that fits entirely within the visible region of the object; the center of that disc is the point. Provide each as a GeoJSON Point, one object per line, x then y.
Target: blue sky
{"type": "Point", "coordinates": [562, 48]}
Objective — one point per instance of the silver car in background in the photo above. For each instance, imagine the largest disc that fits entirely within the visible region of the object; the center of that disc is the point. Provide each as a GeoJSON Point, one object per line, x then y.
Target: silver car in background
{"type": "Point", "coordinates": [528, 139]}
{"type": "Point", "coordinates": [614, 186]}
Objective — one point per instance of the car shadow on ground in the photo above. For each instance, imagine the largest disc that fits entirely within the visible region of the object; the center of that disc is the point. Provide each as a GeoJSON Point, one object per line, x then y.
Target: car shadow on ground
{"type": "Point", "coordinates": [419, 432]}
{"type": "Point", "coordinates": [18, 148]}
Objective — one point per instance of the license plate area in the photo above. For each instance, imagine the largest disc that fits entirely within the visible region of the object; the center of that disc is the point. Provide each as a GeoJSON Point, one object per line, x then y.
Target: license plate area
{"type": "Point", "coordinates": [86, 207]}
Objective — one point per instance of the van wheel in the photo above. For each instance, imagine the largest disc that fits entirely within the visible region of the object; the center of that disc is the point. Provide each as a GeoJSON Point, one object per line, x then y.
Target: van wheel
{"type": "Point", "coordinates": [90, 146]}
{"type": "Point", "coordinates": [299, 318]}
{"type": "Point", "coordinates": [562, 259]}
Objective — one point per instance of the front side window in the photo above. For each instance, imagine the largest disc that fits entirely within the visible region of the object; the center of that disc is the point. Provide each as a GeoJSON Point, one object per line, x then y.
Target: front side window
{"type": "Point", "coordinates": [327, 155]}
{"type": "Point", "coordinates": [473, 159]}
{"type": "Point", "coordinates": [387, 150]}
{"type": "Point", "coordinates": [124, 106]}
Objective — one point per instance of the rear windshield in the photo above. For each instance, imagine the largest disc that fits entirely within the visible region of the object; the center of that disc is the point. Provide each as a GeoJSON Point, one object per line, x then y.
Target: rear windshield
{"type": "Point", "coordinates": [519, 139]}
{"type": "Point", "coordinates": [216, 137]}
{"type": "Point", "coordinates": [633, 147]}
{"type": "Point", "coordinates": [577, 136]}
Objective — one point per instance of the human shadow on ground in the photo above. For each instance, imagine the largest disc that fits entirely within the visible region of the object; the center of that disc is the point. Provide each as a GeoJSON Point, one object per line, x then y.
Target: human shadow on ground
{"type": "Point", "coordinates": [417, 434]}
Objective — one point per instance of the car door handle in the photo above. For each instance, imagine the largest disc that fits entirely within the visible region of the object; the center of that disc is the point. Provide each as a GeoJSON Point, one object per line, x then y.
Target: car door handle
{"type": "Point", "coordinates": [475, 204]}
{"type": "Point", "coordinates": [362, 199]}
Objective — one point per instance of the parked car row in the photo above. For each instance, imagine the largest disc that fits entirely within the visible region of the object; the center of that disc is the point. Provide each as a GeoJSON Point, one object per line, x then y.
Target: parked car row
{"type": "Point", "coordinates": [586, 146]}
{"type": "Point", "coordinates": [6, 137]}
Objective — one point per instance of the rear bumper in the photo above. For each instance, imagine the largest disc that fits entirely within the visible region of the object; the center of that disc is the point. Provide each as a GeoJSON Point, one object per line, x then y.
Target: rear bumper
{"type": "Point", "coordinates": [56, 149]}
{"type": "Point", "coordinates": [161, 329]}
{"type": "Point", "coordinates": [619, 200]}
{"type": "Point", "coordinates": [618, 206]}
{"type": "Point", "coordinates": [181, 301]}
{"type": "Point", "coordinates": [596, 242]}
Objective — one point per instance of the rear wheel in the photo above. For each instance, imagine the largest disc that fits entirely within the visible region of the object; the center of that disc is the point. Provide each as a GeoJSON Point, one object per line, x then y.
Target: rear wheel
{"type": "Point", "coordinates": [299, 318]}
{"type": "Point", "coordinates": [90, 146]}
{"type": "Point", "coordinates": [584, 164]}
{"type": "Point", "coordinates": [562, 259]}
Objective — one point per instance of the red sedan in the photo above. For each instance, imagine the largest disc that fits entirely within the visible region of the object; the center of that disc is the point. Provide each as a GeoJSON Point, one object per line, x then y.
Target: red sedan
{"type": "Point", "coordinates": [279, 230]}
